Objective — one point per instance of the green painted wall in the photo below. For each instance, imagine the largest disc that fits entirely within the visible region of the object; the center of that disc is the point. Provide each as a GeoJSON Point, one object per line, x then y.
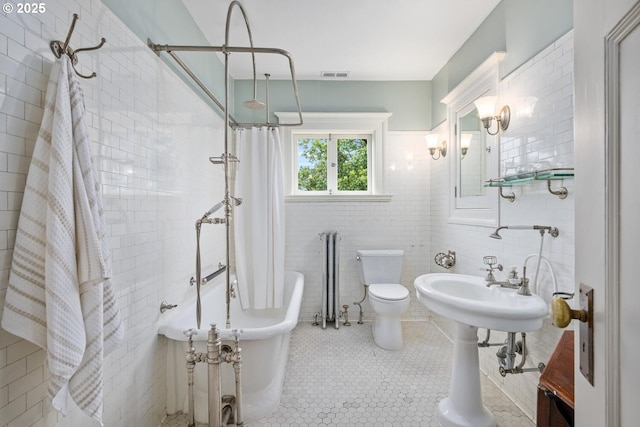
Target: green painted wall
{"type": "Point", "coordinates": [519, 27]}
{"type": "Point", "coordinates": [522, 28]}
{"type": "Point", "coordinates": [169, 22]}
{"type": "Point", "coordinates": [409, 101]}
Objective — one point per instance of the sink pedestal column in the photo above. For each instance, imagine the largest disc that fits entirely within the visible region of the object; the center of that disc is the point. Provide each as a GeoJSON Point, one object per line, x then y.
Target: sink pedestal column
{"type": "Point", "coordinates": [463, 407]}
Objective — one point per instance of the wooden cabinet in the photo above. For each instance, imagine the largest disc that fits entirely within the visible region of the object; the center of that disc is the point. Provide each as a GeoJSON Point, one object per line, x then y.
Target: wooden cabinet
{"type": "Point", "coordinates": [555, 389]}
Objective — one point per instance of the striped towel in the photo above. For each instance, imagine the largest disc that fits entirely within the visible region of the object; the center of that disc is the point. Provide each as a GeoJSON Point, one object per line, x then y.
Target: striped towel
{"type": "Point", "coordinates": [59, 295]}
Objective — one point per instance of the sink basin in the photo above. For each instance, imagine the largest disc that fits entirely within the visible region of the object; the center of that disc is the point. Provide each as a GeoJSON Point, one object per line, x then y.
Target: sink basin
{"type": "Point", "coordinates": [468, 300]}
{"type": "Point", "coordinates": [471, 305]}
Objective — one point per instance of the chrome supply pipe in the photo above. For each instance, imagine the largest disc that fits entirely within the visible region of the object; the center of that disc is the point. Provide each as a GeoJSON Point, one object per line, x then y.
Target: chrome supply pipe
{"type": "Point", "coordinates": [486, 342]}
{"type": "Point", "coordinates": [215, 353]}
{"type": "Point", "coordinates": [237, 365]}
{"type": "Point", "coordinates": [507, 356]}
{"type": "Point", "coordinates": [213, 368]}
{"type": "Point", "coordinates": [191, 364]}
{"type": "Point", "coordinates": [198, 274]}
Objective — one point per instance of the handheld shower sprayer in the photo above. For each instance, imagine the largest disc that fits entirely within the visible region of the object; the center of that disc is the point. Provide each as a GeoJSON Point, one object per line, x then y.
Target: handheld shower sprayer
{"type": "Point", "coordinates": [213, 209]}
{"type": "Point", "coordinates": [551, 230]}
{"type": "Point", "coordinates": [237, 201]}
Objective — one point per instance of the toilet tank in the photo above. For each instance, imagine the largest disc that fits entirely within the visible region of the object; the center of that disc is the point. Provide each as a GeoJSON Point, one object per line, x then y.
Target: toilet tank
{"type": "Point", "coordinates": [379, 265]}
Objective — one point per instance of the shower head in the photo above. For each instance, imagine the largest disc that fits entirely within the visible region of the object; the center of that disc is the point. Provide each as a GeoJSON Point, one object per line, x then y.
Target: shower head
{"type": "Point", "coordinates": [496, 234]}
{"type": "Point", "coordinates": [551, 230]}
{"type": "Point", "coordinates": [254, 104]}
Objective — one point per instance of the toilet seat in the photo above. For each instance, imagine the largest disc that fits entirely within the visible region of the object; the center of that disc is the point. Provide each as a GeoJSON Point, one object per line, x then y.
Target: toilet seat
{"type": "Point", "coordinates": [388, 291]}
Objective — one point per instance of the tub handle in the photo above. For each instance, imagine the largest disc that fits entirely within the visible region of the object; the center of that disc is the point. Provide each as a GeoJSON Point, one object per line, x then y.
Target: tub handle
{"type": "Point", "coordinates": [164, 306]}
{"type": "Point", "coordinates": [232, 288]}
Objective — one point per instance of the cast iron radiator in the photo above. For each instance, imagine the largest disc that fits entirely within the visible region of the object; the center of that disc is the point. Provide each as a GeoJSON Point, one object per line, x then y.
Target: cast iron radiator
{"type": "Point", "coordinates": [330, 253]}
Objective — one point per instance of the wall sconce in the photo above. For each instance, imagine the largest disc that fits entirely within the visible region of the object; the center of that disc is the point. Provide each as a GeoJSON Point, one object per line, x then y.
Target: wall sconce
{"type": "Point", "coordinates": [486, 110]}
{"type": "Point", "coordinates": [433, 144]}
{"type": "Point", "coordinates": [465, 143]}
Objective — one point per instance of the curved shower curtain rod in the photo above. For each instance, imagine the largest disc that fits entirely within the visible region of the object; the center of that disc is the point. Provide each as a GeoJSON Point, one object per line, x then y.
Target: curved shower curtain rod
{"type": "Point", "coordinates": [226, 50]}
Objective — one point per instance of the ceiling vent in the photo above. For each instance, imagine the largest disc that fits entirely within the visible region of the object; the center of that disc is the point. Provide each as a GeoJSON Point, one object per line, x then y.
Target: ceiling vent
{"type": "Point", "coordinates": [335, 74]}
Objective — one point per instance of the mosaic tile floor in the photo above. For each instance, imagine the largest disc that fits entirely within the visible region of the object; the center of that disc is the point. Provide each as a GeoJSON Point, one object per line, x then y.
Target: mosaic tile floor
{"type": "Point", "coordinates": [341, 378]}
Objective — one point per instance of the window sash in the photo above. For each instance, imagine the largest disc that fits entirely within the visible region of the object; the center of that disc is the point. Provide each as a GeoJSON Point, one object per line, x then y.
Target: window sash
{"type": "Point", "coordinates": [332, 166]}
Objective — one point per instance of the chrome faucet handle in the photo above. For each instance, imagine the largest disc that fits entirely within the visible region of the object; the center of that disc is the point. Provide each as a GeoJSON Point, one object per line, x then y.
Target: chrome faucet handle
{"type": "Point", "coordinates": [236, 334]}
{"type": "Point", "coordinates": [513, 277]}
{"type": "Point", "coordinates": [524, 287]}
{"type": "Point", "coordinates": [189, 333]}
{"type": "Point", "coordinates": [232, 288]}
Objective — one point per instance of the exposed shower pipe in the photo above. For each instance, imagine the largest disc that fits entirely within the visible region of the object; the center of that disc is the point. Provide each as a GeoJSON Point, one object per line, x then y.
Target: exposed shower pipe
{"type": "Point", "coordinates": [206, 220]}
{"type": "Point", "coordinates": [253, 104]}
{"type": "Point", "coordinates": [195, 79]}
{"type": "Point", "coordinates": [266, 85]}
{"type": "Point", "coordinates": [226, 50]}
{"type": "Point", "coordinates": [216, 354]}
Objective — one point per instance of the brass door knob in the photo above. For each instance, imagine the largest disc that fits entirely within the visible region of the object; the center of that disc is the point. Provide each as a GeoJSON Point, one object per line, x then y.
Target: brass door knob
{"type": "Point", "coordinates": [562, 314]}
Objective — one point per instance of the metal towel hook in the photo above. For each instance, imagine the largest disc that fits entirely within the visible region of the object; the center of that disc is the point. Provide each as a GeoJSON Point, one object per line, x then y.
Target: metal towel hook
{"type": "Point", "coordinates": [58, 48]}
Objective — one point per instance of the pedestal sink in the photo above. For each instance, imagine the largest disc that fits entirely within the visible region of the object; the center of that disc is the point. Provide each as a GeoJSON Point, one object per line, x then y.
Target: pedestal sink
{"type": "Point", "coordinates": [471, 304]}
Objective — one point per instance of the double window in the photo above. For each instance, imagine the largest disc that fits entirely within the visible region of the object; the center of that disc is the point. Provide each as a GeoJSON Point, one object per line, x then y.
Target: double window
{"type": "Point", "coordinates": [335, 156]}
{"type": "Point", "coordinates": [332, 163]}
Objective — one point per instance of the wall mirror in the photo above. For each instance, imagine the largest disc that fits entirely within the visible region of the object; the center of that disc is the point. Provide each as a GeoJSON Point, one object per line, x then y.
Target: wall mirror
{"type": "Point", "coordinates": [474, 153]}
{"type": "Point", "coordinates": [472, 147]}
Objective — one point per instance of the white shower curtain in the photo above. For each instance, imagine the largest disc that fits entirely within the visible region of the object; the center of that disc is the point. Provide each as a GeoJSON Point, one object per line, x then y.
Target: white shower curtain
{"type": "Point", "coordinates": [259, 221]}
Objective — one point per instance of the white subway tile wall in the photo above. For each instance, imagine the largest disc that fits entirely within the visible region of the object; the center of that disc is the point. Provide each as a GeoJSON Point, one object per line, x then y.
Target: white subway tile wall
{"type": "Point", "coordinates": [151, 133]}
{"type": "Point", "coordinates": [151, 141]}
{"type": "Point", "coordinates": [540, 94]}
{"type": "Point", "coordinates": [402, 223]}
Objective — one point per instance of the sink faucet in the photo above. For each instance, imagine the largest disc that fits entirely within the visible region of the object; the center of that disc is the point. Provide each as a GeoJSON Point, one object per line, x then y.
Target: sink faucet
{"type": "Point", "coordinates": [503, 284]}
{"type": "Point", "coordinates": [524, 288]}
{"type": "Point", "coordinates": [522, 285]}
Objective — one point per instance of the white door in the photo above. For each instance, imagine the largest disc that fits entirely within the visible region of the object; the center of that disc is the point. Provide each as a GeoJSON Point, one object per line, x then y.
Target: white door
{"type": "Point", "coordinates": [629, 297]}
{"type": "Point", "coordinates": [607, 141]}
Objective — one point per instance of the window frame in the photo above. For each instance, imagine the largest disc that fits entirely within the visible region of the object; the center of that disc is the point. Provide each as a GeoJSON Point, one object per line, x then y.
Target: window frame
{"type": "Point", "coordinates": [374, 124]}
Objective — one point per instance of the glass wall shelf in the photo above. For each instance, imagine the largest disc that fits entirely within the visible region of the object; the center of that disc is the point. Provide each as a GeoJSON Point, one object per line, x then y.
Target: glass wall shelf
{"type": "Point", "coordinates": [553, 174]}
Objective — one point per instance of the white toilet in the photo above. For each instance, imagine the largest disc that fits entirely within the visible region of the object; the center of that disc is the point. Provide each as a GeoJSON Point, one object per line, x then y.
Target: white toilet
{"type": "Point", "coordinates": [380, 271]}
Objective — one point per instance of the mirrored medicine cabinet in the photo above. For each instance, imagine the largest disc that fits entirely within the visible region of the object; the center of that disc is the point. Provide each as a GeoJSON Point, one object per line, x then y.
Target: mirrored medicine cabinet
{"type": "Point", "coordinates": [475, 155]}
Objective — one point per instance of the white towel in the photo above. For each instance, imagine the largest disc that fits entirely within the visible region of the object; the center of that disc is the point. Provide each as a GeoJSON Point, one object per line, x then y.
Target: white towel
{"type": "Point", "coordinates": [59, 295]}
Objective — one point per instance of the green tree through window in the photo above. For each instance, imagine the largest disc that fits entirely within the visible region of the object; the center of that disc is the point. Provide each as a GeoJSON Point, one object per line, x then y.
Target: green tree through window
{"type": "Point", "coordinates": [326, 164]}
{"type": "Point", "coordinates": [352, 164]}
{"type": "Point", "coordinates": [312, 164]}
